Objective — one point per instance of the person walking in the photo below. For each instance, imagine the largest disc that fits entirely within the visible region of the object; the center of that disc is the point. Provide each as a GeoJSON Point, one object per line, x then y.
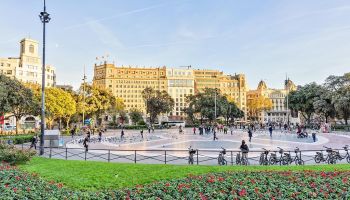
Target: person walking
{"type": "Point", "coordinates": [314, 136]}
{"type": "Point", "coordinates": [33, 141]}
{"type": "Point", "coordinates": [250, 134]}
{"type": "Point", "coordinates": [245, 149]}
{"type": "Point", "coordinates": [141, 132]}
{"type": "Point", "coordinates": [100, 135]}
{"type": "Point", "coordinates": [214, 134]}
{"type": "Point", "coordinates": [73, 131]}
{"type": "Point", "coordinates": [86, 143]}
{"type": "Point", "coordinates": [194, 130]}
{"type": "Point", "coordinates": [231, 129]}
{"type": "Point", "coordinates": [270, 130]}
{"type": "Point", "coordinates": [149, 129]}
{"type": "Point", "coordinates": [122, 135]}
{"type": "Point", "coordinates": [88, 134]}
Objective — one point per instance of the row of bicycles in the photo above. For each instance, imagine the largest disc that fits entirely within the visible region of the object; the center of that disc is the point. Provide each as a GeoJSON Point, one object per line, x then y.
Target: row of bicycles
{"type": "Point", "coordinates": [268, 157]}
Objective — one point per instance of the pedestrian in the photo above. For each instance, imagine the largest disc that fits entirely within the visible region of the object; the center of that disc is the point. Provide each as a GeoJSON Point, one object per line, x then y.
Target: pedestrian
{"type": "Point", "coordinates": [122, 135]}
{"type": "Point", "coordinates": [225, 129]}
{"type": "Point", "coordinates": [245, 149]}
{"type": "Point", "coordinates": [314, 136]}
{"type": "Point", "coordinates": [34, 140]}
{"type": "Point", "coordinates": [194, 130]}
{"type": "Point", "coordinates": [149, 129]}
{"type": "Point", "coordinates": [88, 134]}
{"type": "Point", "coordinates": [73, 131]}
{"type": "Point", "coordinates": [214, 134]}
{"type": "Point", "coordinates": [231, 129]}
{"type": "Point", "coordinates": [141, 132]}
{"type": "Point", "coordinates": [250, 134]}
{"type": "Point", "coordinates": [100, 135]}
{"type": "Point", "coordinates": [180, 129]}
{"type": "Point", "coordinates": [152, 129]}
{"type": "Point", "coordinates": [86, 143]}
{"type": "Point", "coordinates": [270, 130]}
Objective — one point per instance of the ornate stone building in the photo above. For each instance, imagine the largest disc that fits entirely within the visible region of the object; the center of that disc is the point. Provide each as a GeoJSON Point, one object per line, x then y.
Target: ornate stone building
{"type": "Point", "coordinates": [279, 112]}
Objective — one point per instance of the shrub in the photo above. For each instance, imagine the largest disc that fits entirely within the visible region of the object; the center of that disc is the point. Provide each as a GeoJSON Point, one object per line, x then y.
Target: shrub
{"type": "Point", "coordinates": [12, 155]}
{"type": "Point", "coordinates": [17, 139]}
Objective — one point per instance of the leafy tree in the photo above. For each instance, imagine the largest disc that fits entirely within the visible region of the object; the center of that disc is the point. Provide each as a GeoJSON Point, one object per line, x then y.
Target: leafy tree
{"type": "Point", "coordinates": [97, 101]}
{"type": "Point", "coordinates": [341, 102]}
{"type": "Point", "coordinates": [19, 100]}
{"type": "Point", "coordinates": [123, 117]}
{"type": "Point", "coordinates": [135, 116]}
{"type": "Point", "coordinates": [303, 99]}
{"type": "Point", "coordinates": [203, 105]}
{"type": "Point", "coordinates": [257, 105]}
{"type": "Point", "coordinates": [324, 105]}
{"type": "Point", "coordinates": [157, 102]}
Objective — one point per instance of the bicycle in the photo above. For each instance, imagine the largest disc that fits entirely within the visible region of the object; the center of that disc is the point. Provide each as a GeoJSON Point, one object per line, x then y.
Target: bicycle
{"type": "Point", "coordinates": [297, 159]}
{"type": "Point", "coordinates": [221, 158]}
{"type": "Point", "coordinates": [191, 153]}
{"type": "Point", "coordinates": [242, 159]}
{"type": "Point", "coordinates": [330, 158]}
{"type": "Point", "coordinates": [346, 156]}
{"type": "Point", "coordinates": [263, 157]}
{"type": "Point", "coordinates": [282, 160]}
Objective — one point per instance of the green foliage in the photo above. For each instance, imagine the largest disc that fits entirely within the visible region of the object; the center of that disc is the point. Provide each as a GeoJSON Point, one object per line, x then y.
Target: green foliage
{"type": "Point", "coordinates": [12, 155]}
{"type": "Point", "coordinates": [17, 99]}
{"type": "Point", "coordinates": [157, 102]}
{"type": "Point", "coordinates": [303, 99]}
{"type": "Point", "coordinates": [135, 116]}
{"type": "Point", "coordinates": [17, 139]}
{"type": "Point", "coordinates": [123, 117]}
{"type": "Point", "coordinates": [203, 104]}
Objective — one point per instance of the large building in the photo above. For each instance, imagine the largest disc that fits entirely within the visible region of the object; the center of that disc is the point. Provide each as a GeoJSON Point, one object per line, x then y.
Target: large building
{"type": "Point", "coordinates": [27, 67]}
{"type": "Point", "coordinates": [233, 86]}
{"type": "Point", "coordinates": [128, 83]}
{"type": "Point", "coordinates": [279, 113]}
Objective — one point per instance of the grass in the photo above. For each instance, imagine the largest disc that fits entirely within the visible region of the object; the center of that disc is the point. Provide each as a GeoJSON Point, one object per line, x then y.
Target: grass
{"type": "Point", "coordinates": [91, 175]}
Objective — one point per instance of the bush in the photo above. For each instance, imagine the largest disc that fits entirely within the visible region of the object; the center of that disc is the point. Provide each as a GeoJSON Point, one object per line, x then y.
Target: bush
{"type": "Point", "coordinates": [17, 139]}
{"type": "Point", "coordinates": [12, 155]}
{"type": "Point", "coordinates": [141, 123]}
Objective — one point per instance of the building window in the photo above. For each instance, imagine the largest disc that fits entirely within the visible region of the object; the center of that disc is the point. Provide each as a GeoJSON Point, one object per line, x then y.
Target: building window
{"type": "Point", "coordinates": [31, 48]}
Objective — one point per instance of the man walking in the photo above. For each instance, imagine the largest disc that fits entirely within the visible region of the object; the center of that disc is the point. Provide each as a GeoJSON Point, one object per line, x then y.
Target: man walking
{"type": "Point", "coordinates": [34, 140]}
{"type": "Point", "coordinates": [86, 143]}
{"type": "Point", "coordinates": [250, 134]}
{"type": "Point", "coordinates": [270, 130]}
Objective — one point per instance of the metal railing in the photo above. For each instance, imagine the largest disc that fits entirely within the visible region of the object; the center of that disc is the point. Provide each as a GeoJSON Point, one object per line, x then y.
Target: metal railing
{"type": "Point", "coordinates": [181, 157]}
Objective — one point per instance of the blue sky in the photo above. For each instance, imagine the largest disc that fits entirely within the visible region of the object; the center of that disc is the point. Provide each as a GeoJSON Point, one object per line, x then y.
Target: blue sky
{"type": "Point", "coordinates": [264, 39]}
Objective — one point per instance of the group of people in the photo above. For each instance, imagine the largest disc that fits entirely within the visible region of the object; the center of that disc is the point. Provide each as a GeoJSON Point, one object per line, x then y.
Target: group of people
{"type": "Point", "coordinates": [92, 131]}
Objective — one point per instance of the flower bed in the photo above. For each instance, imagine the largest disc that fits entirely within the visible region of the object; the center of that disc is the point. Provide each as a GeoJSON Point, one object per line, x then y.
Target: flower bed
{"type": "Point", "coordinates": [226, 185]}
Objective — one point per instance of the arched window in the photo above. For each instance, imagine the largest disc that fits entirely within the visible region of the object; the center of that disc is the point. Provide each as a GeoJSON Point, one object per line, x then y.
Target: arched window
{"type": "Point", "coordinates": [31, 48]}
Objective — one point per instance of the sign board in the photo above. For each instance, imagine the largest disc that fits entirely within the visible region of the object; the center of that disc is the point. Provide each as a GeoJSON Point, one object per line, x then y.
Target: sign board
{"type": "Point", "coordinates": [52, 135]}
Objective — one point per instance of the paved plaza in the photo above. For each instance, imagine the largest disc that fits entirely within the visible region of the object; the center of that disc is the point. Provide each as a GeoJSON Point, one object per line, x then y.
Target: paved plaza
{"type": "Point", "coordinates": [168, 146]}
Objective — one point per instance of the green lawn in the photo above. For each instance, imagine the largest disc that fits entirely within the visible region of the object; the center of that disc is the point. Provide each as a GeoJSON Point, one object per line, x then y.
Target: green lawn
{"type": "Point", "coordinates": [90, 175]}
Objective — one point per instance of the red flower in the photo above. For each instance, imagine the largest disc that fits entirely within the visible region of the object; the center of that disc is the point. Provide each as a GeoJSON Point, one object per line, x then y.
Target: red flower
{"type": "Point", "coordinates": [312, 184]}
{"type": "Point", "coordinates": [242, 193]}
{"type": "Point", "coordinates": [6, 185]}
{"type": "Point", "coordinates": [15, 189]}
{"type": "Point", "coordinates": [345, 180]}
{"type": "Point", "coordinates": [210, 180]}
{"type": "Point", "coordinates": [18, 178]}
{"type": "Point", "coordinates": [167, 184]}
{"type": "Point", "coordinates": [203, 197]}
{"type": "Point", "coordinates": [256, 190]}
{"type": "Point", "coordinates": [221, 179]}
{"type": "Point", "coordinates": [60, 185]}
{"type": "Point", "coordinates": [28, 189]}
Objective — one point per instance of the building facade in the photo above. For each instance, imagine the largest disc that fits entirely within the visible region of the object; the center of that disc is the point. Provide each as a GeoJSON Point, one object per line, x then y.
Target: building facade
{"type": "Point", "coordinates": [27, 68]}
{"type": "Point", "coordinates": [180, 85]}
{"type": "Point", "coordinates": [279, 113]}
{"type": "Point", "coordinates": [128, 83]}
{"type": "Point", "coordinates": [233, 86]}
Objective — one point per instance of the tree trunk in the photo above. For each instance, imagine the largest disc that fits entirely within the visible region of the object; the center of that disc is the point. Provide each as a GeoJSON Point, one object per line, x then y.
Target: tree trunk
{"type": "Point", "coordinates": [16, 124]}
{"type": "Point", "coordinates": [326, 118]}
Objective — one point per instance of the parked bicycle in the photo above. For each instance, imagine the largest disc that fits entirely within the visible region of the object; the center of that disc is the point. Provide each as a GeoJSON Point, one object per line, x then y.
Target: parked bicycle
{"type": "Point", "coordinates": [263, 157]}
{"type": "Point", "coordinates": [282, 160]}
{"type": "Point", "coordinates": [346, 156]}
{"type": "Point", "coordinates": [191, 153]}
{"type": "Point", "coordinates": [242, 158]}
{"type": "Point", "coordinates": [331, 157]}
{"type": "Point", "coordinates": [221, 158]}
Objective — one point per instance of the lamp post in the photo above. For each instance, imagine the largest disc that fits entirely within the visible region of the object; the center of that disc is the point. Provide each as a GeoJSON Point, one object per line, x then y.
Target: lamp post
{"type": "Point", "coordinates": [84, 79]}
{"type": "Point", "coordinates": [44, 18]}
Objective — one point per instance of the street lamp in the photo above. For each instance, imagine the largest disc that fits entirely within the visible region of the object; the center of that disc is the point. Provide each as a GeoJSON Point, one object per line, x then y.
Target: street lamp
{"type": "Point", "coordinates": [84, 79]}
{"type": "Point", "coordinates": [45, 18]}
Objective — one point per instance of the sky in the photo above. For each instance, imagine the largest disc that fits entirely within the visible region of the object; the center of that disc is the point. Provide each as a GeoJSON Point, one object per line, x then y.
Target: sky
{"type": "Point", "coordinates": [265, 40]}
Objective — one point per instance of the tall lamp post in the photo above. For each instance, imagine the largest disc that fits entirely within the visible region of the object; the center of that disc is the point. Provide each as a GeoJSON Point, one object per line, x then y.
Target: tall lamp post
{"type": "Point", "coordinates": [45, 18]}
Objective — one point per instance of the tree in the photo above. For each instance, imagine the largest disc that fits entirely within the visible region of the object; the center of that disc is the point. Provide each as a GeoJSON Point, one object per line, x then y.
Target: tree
{"type": "Point", "coordinates": [257, 105]}
{"type": "Point", "coordinates": [203, 105]}
{"type": "Point", "coordinates": [94, 101]}
{"type": "Point", "coordinates": [157, 102]}
{"type": "Point", "coordinates": [123, 117]}
{"type": "Point", "coordinates": [135, 116]}
{"type": "Point", "coordinates": [324, 105]}
{"type": "Point", "coordinates": [341, 102]}
{"type": "Point", "coordinates": [340, 87]}
{"type": "Point", "coordinates": [19, 100]}
{"type": "Point", "coordinates": [303, 99]}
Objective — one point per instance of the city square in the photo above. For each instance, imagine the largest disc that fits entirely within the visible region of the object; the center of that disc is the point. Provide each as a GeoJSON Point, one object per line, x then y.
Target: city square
{"type": "Point", "coordinates": [177, 99]}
